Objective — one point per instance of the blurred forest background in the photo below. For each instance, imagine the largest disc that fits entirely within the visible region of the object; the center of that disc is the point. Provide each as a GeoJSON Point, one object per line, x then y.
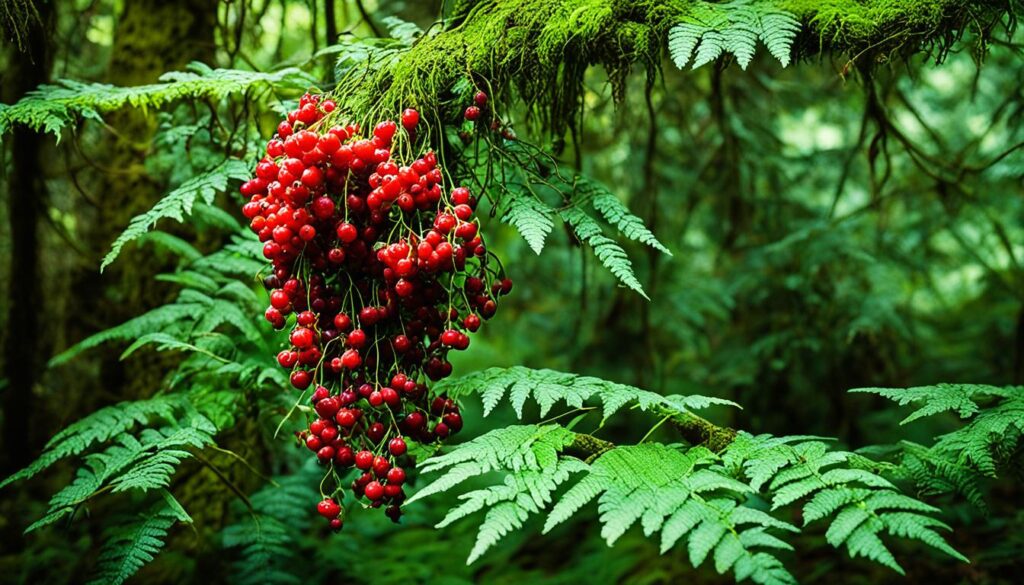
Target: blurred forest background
{"type": "Point", "coordinates": [833, 224]}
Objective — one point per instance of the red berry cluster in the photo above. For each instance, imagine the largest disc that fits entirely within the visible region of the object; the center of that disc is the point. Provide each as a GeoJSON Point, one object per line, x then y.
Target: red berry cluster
{"type": "Point", "coordinates": [474, 112]}
{"type": "Point", "coordinates": [385, 273]}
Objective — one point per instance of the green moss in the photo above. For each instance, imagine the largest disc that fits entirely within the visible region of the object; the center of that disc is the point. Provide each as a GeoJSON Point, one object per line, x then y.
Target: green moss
{"type": "Point", "coordinates": [537, 51]}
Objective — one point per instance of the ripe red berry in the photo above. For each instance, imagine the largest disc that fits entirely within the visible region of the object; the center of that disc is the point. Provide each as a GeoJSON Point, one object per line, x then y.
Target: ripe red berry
{"type": "Point", "coordinates": [374, 490]}
{"type": "Point", "coordinates": [300, 379]}
{"type": "Point", "coordinates": [410, 118]}
{"type": "Point", "coordinates": [385, 130]}
{"type": "Point", "coordinates": [480, 99]}
{"type": "Point", "coordinates": [347, 232]}
{"type": "Point", "coordinates": [328, 508]}
{"type": "Point", "coordinates": [381, 466]}
{"type": "Point", "coordinates": [397, 446]}
{"type": "Point", "coordinates": [345, 417]}
{"type": "Point", "coordinates": [364, 460]}
{"type": "Point", "coordinates": [396, 475]}
{"type": "Point", "coordinates": [350, 359]}
{"type": "Point", "coordinates": [472, 113]}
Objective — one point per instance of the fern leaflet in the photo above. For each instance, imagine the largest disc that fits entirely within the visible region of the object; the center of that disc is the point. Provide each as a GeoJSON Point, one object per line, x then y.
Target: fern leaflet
{"type": "Point", "coordinates": [178, 203]}
{"type": "Point", "coordinates": [137, 541]}
{"type": "Point", "coordinates": [548, 387]}
{"type": "Point", "coordinates": [732, 27]}
{"type": "Point", "coordinates": [51, 107]}
{"type": "Point", "coordinates": [611, 255]}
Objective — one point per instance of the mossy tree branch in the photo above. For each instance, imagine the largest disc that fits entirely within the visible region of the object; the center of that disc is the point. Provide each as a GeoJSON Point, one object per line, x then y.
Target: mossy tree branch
{"type": "Point", "coordinates": [537, 51]}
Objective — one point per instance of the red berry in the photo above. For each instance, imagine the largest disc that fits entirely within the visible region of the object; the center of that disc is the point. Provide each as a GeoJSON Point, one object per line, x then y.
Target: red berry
{"type": "Point", "coordinates": [350, 359]}
{"type": "Point", "coordinates": [374, 490]}
{"type": "Point", "coordinates": [410, 118]}
{"type": "Point", "coordinates": [472, 113]}
{"type": "Point", "coordinates": [396, 475]}
{"type": "Point", "coordinates": [397, 446]}
{"type": "Point", "coordinates": [301, 379]}
{"type": "Point", "coordinates": [364, 460]}
{"type": "Point", "coordinates": [381, 466]}
{"type": "Point", "coordinates": [328, 508]}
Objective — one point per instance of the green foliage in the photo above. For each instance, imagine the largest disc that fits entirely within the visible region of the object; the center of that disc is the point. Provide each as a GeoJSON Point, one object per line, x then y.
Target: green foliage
{"type": "Point", "coordinates": [663, 488]}
{"type": "Point", "coordinates": [611, 255]}
{"type": "Point", "coordinates": [942, 398]}
{"type": "Point", "coordinates": [732, 27]}
{"type": "Point", "coordinates": [524, 447]}
{"type": "Point", "coordinates": [863, 503]}
{"type": "Point", "coordinates": [178, 203]}
{"type": "Point", "coordinates": [616, 213]}
{"type": "Point", "coordinates": [136, 540]}
{"type": "Point", "coordinates": [520, 200]}
{"type": "Point", "coordinates": [263, 538]}
{"type": "Point", "coordinates": [548, 387]}
{"type": "Point", "coordinates": [530, 216]}
{"type": "Point", "coordinates": [679, 494]}
{"type": "Point", "coordinates": [51, 107]}
{"type": "Point", "coordinates": [131, 463]}
{"type": "Point", "coordinates": [990, 437]}
{"type": "Point", "coordinates": [99, 427]}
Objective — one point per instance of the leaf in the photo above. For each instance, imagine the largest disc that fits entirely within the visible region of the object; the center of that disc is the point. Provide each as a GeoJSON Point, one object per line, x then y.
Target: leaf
{"type": "Point", "coordinates": [178, 203]}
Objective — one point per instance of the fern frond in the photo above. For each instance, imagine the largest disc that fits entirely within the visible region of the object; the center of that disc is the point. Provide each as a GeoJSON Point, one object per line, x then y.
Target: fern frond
{"type": "Point", "coordinates": [680, 494]}
{"type": "Point", "coordinates": [51, 107]}
{"type": "Point", "coordinates": [265, 543]}
{"type": "Point", "coordinates": [863, 503]}
{"type": "Point", "coordinates": [611, 255]}
{"type": "Point", "coordinates": [991, 435]}
{"type": "Point", "coordinates": [548, 387]}
{"type": "Point", "coordinates": [529, 215]}
{"type": "Point", "coordinates": [101, 426]}
{"type": "Point", "coordinates": [178, 203]}
{"type": "Point", "coordinates": [732, 27]}
{"type": "Point", "coordinates": [989, 438]}
{"type": "Point", "coordinates": [131, 463]}
{"type": "Point", "coordinates": [135, 542]}
{"type": "Point", "coordinates": [511, 503]}
{"type": "Point", "coordinates": [659, 486]}
{"type": "Point", "coordinates": [525, 447]}
{"type": "Point", "coordinates": [615, 212]}
{"type": "Point", "coordinates": [157, 319]}
{"type": "Point", "coordinates": [939, 398]}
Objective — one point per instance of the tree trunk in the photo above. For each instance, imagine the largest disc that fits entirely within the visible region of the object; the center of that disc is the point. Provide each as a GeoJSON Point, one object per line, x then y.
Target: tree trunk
{"type": "Point", "coordinates": [26, 199]}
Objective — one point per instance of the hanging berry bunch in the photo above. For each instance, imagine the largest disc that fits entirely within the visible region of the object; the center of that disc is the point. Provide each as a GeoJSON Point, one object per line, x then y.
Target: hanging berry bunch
{"type": "Point", "coordinates": [385, 273]}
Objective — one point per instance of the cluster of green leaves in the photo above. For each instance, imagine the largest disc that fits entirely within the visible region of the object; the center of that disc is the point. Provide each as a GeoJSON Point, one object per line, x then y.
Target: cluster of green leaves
{"type": "Point", "coordinates": [178, 203]}
{"type": "Point", "coordinates": [712, 501]}
{"type": "Point", "coordinates": [732, 27]}
{"type": "Point", "coordinates": [959, 461]}
{"type": "Point", "coordinates": [534, 191]}
{"type": "Point", "coordinates": [138, 446]}
{"type": "Point", "coordinates": [52, 107]}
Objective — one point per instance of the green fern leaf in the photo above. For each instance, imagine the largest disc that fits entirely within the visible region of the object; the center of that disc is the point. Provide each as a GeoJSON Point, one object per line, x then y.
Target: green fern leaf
{"type": "Point", "coordinates": [616, 213]}
{"type": "Point", "coordinates": [178, 203]}
{"type": "Point", "coordinates": [51, 107]}
{"type": "Point", "coordinates": [530, 216]}
{"type": "Point", "coordinates": [611, 255]}
{"type": "Point", "coordinates": [100, 426]}
{"type": "Point", "coordinates": [939, 398]}
{"type": "Point", "coordinates": [735, 27]}
{"type": "Point", "coordinates": [134, 543]}
{"type": "Point", "coordinates": [548, 387]}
